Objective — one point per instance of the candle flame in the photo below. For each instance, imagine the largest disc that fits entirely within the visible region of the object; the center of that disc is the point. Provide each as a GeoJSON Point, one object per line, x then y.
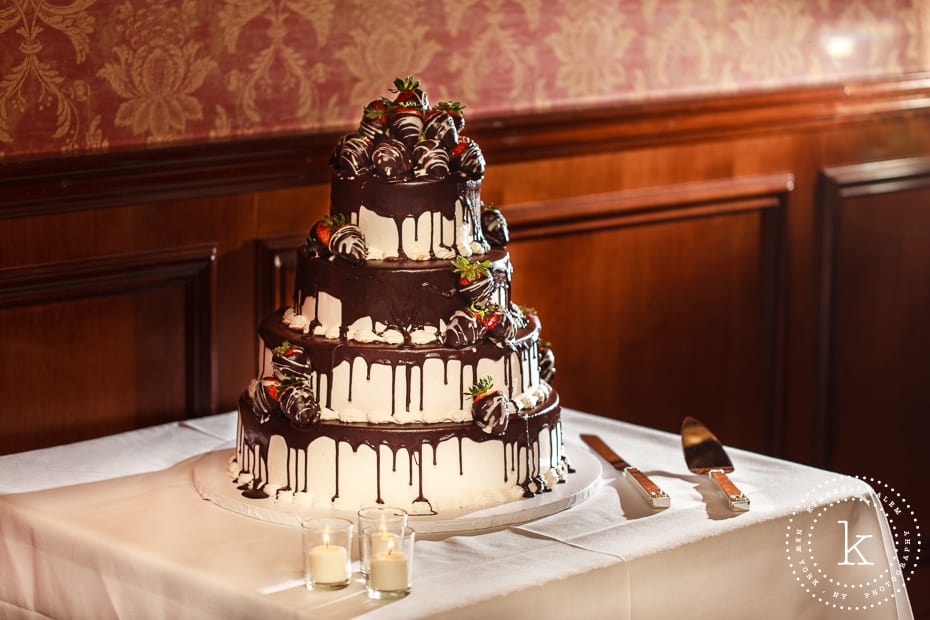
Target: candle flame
{"type": "Point", "coordinates": [325, 539]}
{"type": "Point", "coordinates": [390, 546]}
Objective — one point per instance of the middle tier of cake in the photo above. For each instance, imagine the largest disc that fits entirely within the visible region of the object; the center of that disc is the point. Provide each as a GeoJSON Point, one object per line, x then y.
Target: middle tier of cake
{"type": "Point", "coordinates": [397, 302]}
{"type": "Point", "coordinates": [384, 383]}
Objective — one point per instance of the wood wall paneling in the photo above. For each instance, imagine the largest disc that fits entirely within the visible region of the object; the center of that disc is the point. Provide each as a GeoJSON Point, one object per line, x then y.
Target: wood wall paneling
{"type": "Point", "coordinates": [874, 351]}
{"type": "Point", "coordinates": [670, 301]}
{"type": "Point", "coordinates": [92, 337]}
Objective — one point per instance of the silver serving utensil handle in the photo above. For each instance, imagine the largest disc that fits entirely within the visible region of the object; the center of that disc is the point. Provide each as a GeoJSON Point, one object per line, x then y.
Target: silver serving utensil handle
{"type": "Point", "coordinates": [656, 497]}
{"type": "Point", "coordinates": [737, 500]}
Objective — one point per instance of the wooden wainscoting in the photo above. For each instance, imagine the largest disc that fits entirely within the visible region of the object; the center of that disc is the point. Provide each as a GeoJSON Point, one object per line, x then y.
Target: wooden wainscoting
{"type": "Point", "coordinates": [874, 349]}
{"type": "Point", "coordinates": [671, 301]}
{"type": "Point", "coordinates": [128, 338]}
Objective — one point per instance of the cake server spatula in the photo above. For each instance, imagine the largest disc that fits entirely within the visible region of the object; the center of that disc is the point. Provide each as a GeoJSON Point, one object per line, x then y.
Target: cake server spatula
{"type": "Point", "coordinates": [656, 497]}
{"type": "Point", "coordinates": [705, 455]}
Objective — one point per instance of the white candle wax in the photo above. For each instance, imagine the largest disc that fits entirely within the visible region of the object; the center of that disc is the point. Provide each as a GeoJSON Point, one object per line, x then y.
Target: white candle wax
{"type": "Point", "coordinates": [389, 571]}
{"type": "Point", "coordinates": [328, 564]}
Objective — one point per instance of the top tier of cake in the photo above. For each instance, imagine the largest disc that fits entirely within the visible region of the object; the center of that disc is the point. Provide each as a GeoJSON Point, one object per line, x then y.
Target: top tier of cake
{"type": "Point", "coordinates": [409, 184]}
{"type": "Point", "coordinates": [414, 219]}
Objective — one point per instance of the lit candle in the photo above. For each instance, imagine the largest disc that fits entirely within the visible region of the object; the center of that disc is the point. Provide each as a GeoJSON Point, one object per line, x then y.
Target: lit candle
{"type": "Point", "coordinates": [381, 539]}
{"type": "Point", "coordinates": [328, 562]}
{"type": "Point", "coordinates": [389, 570]}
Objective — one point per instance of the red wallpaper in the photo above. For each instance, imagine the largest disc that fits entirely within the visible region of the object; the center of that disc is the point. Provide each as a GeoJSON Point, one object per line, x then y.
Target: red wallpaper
{"type": "Point", "coordinates": [83, 75]}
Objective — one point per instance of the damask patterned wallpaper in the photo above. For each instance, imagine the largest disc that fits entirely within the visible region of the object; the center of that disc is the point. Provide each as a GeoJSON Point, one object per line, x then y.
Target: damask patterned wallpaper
{"type": "Point", "coordinates": [85, 75]}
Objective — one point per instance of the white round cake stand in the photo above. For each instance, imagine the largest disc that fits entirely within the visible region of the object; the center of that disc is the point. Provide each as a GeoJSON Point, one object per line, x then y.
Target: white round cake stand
{"type": "Point", "coordinates": [214, 483]}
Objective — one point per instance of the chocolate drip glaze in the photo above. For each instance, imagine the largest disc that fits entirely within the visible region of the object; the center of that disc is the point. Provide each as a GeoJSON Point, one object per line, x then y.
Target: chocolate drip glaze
{"type": "Point", "coordinates": [328, 354]}
{"type": "Point", "coordinates": [520, 437]}
{"type": "Point", "coordinates": [405, 295]}
{"type": "Point", "coordinates": [408, 198]}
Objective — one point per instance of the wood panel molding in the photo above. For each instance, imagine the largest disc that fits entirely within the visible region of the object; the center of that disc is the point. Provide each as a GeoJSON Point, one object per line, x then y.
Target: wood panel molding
{"type": "Point", "coordinates": [187, 171]}
{"type": "Point", "coordinates": [836, 185]}
{"type": "Point", "coordinates": [647, 206]}
{"type": "Point", "coordinates": [192, 267]}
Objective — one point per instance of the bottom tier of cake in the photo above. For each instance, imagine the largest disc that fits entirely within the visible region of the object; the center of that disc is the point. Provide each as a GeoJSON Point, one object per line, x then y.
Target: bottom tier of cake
{"type": "Point", "coordinates": [424, 468]}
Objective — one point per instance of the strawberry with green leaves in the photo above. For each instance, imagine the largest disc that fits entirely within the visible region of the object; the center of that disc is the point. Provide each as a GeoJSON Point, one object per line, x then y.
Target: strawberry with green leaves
{"type": "Point", "coordinates": [321, 232]}
{"type": "Point", "coordinates": [409, 94]}
{"type": "Point", "coordinates": [289, 362]}
{"type": "Point", "coordinates": [469, 271]}
{"type": "Point", "coordinates": [490, 409]}
{"type": "Point", "coordinates": [375, 119]}
{"type": "Point", "coordinates": [453, 109]}
{"type": "Point", "coordinates": [488, 316]}
{"type": "Point", "coordinates": [475, 280]}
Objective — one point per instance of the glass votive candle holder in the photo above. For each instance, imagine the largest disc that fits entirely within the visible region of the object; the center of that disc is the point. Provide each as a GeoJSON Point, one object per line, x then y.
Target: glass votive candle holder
{"type": "Point", "coordinates": [390, 570]}
{"type": "Point", "coordinates": [380, 519]}
{"type": "Point", "coordinates": [327, 556]}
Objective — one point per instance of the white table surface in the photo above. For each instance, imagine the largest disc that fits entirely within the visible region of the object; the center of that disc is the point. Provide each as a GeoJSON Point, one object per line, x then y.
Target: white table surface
{"type": "Point", "coordinates": [113, 528]}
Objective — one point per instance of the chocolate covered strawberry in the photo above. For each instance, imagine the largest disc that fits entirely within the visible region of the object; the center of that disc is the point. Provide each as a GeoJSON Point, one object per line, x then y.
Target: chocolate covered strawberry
{"type": "Point", "coordinates": [409, 94]}
{"type": "Point", "coordinates": [265, 393]}
{"type": "Point", "coordinates": [392, 159]}
{"type": "Point", "coordinates": [299, 405]}
{"type": "Point", "coordinates": [406, 125]}
{"type": "Point", "coordinates": [467, 159]}
{"type": "Point", "coordinates": [348, 243]}
{"type": "Point", "coordinates": [375, 119]}
{"type": "Point", "coordinates": [502, 326]}
{"type": "Point", "coordinates": [321, 232]}
{"type": "Point", "coordinates": [439, 126]}
{"type": "Point", "coordinates": [289, 362]}
{"type": "Point", "coordinates": [465, 328]}
{"type": "Point", "coordinates": [546, 361]}
{"type": "Point", "coordinates": [430, 160]}
{"type": "Point", "coordinates": [352, 156]}
{"type": "Point", "coordinates": [475, 280]}
{"type": "Point", "coordinates": [490, 409]}
{"type": "Point", "coordinates": [494, 226]}
{"type": "Point", "coordinates": [454, 110]}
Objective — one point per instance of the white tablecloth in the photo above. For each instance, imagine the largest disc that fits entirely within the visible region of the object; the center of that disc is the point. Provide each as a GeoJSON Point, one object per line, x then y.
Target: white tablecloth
{"type": "Point", "coordinates": [113, 528]}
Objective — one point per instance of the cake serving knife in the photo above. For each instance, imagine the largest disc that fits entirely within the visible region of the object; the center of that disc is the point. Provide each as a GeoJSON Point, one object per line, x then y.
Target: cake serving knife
{"type": "Point", "coordinates": [656, 497]}
{"type": "Point", "coordinates": [704, 454]}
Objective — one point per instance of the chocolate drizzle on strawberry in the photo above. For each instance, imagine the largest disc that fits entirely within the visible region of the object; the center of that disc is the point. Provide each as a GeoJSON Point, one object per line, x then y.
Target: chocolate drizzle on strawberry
{"type": "Point", "coordinates": [494, 226]}
{"type": "Point", "coordinates": [348, 243]}
{"type": "Point", "coordinates": [406, 126]}
{"type": "Point", "coordinates": [439, 126]}
{"type": "Point", "coordinates": [391, 159]}
{"type": "Point", "coordinates": [352, 157]}
{"type": "Point", "coordinates": [430, 159]}
{"type": "Point", "coordinates": [375, 119]}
